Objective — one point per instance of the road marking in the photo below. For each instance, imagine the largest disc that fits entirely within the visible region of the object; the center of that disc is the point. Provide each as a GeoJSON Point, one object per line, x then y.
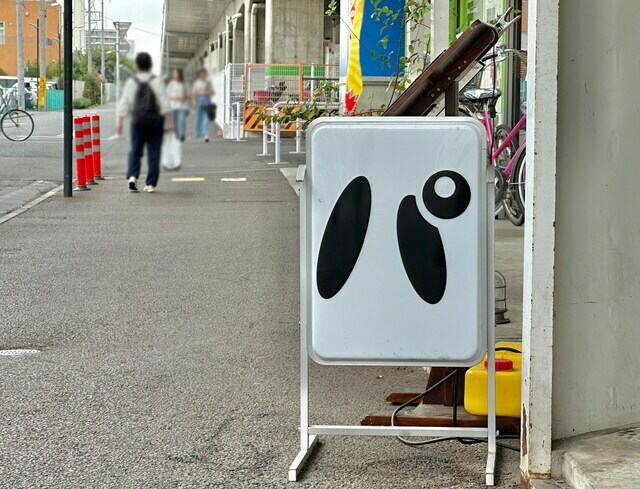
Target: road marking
{"type": "Point", "coordinates": [233, 179]}
{"type": "Point", "coordinates": [187, 179]}
{"type": "Point", "coordinates": [18, 352]}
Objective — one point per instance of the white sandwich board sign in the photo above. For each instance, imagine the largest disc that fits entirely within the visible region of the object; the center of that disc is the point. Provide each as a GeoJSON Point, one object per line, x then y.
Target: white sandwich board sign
{"type": "Point", "coordinates": [396, 265]}
{"type": "Point", "coordinates": [396, 241]}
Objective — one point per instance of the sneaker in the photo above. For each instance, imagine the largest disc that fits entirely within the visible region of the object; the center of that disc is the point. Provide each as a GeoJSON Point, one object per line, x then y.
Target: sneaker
{"type": "Point", "coordinates": [132, 184]}
{"type": "Point", "coordinates": [206, 139]}
{"type": "Point", "coordinates": [149, 188]}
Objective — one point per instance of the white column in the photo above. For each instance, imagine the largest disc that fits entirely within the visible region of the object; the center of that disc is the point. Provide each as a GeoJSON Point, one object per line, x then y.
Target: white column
{"type": "Point", "coordinates": [247, 31]}
{"type": "Point", "coordinates": [539, 258]}
{"type": "Point", "coordinates": [268, 32]}
{"type": "Point", "coordinates": [439, 27]}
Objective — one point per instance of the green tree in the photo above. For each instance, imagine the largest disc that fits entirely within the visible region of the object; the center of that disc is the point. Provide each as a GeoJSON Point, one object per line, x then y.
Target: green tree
{"type": "Point", "coordinates": [54, 70]}
{"type": "Point", "coordinates": [80, 65]}
{"type": "Point", "coordinates": [92, 88]}
{"type": "Point", "coordinates": [31, 70]}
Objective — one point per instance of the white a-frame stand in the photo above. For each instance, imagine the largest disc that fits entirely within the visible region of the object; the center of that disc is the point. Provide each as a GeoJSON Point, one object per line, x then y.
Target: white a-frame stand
{"type": "Point", "coordinates": [309, 433]}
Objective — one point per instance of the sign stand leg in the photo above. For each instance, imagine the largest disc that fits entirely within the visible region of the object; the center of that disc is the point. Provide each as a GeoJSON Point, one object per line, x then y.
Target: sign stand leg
{"type": "Point", "coordinates": [491, 337]}
{"type": "Point", "coordinates": [307, 442]}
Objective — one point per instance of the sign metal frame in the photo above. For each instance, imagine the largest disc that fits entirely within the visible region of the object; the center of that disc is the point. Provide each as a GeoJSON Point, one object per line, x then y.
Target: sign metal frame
{"type": "Point", "coordinates": [309, 433]}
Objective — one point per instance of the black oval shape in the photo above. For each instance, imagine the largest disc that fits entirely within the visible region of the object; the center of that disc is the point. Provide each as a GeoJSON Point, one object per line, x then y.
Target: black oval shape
{"type": "Point", "coordinates": [446, 207]}
{"type": "Point", "coordinates": [343, 237]}
{"type": "Point", "coordinates": [422, 252]}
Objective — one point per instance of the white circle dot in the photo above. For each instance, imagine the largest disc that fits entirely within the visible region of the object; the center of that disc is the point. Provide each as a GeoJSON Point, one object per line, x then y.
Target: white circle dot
{"type": "Point", "coordinates": [445, 187]}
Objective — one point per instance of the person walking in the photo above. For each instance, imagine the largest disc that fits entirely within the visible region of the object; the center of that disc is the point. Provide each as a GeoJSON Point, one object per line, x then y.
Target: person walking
{"type": "Point", "coordinates": [202, 93]}
{"type": "Point", "coordinates": [145, 101]}
{"type": "Point", "coordinates": [179, 102]}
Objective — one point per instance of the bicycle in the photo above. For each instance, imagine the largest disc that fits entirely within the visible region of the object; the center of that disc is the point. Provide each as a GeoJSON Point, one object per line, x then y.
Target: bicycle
{"type": "Point", "coordinates": [508, 161]}
{"type": "Point", "coordinates": [15, 124]}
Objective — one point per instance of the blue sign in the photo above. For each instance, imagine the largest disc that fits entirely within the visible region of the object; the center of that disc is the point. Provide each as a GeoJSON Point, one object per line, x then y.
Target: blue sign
{"type": "Point", "coordinates": [381, 45]}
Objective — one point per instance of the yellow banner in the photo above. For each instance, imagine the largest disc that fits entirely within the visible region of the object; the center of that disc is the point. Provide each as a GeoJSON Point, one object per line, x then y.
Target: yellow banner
{"type": "Point", "coordinates": [354, 69]}
{"type": "Point", "coordinates": [42, 91]}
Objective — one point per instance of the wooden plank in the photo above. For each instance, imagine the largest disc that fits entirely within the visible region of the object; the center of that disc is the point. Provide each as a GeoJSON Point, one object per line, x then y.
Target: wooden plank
{"type": "Point", "coordinates": [443, 395]}
{"type": "Point", "coordinates": [425, 91]}
{"type": "Point", "coordinates": [504, 425]}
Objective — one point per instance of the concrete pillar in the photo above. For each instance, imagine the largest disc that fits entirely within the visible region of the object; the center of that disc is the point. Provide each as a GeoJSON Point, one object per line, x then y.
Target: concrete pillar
{"type": "Point", "coordinates": [540, 229]}
{"type": "Point", "coordinates": [294, 31]}
{"type": "Point", "coordinates": [596, 335]}
{"type": "Point", "coordinates": [439, 27]}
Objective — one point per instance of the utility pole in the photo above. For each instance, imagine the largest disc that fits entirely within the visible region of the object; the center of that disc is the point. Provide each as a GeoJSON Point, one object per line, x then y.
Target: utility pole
{"type": "Point", "coordinates": [89, 38]}
{"type": "Point", "coordinates": [20, 33]}
{"type": "Point", "coordinates": [117, 26]}
{"type": "Point", "coordinates": [102, 52]}
{"type": "Point", "coordinates": [68, 97]}
{"type": "Point", "coordinates": [36, 26]}
{"type": "Point", "coordinates": [43, 38]}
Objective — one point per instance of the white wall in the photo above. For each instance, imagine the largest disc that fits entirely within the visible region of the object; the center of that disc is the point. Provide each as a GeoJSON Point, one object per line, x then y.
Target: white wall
{"type": "Point", "coordinates": [597, 289]}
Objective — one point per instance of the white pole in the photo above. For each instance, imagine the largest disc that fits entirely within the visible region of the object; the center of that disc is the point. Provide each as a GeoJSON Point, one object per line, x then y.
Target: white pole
{"type": "Point", "coordinates": [89, 39]}
{"type": "Point", "coordinates": [313, 82]}
{"type": "Point", "coordinates": [277, 129]}
{"type": "Point", "coordinates": [227, 51]}
{"type": "Point", "coordinates": [239, 117]}
{"type": "Point", "coordinates": [117, 25]}
{"type": "Point", "coordinates": [102, 53]}
{"type": "Point", "coordinates": [265, 145]}
{"type": "Point", "coordinates": [20, 33]}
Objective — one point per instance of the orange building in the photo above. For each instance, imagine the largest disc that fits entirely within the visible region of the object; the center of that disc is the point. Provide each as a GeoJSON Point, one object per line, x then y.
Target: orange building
{"type": "Point", "coordinates": [8, 34]}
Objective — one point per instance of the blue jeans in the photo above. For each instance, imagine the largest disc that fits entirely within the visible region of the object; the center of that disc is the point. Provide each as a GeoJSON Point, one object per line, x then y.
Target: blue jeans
{"type": "Point", "coordinates": [180, 121]}
{"type": "Point", "coordinates": [202, 119]}
{"type": "Point", "coordinates": [151, 137]}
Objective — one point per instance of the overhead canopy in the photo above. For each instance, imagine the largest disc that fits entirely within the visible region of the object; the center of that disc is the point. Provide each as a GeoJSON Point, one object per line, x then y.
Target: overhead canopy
{"type": "Point", "coordinates": [186, 24]}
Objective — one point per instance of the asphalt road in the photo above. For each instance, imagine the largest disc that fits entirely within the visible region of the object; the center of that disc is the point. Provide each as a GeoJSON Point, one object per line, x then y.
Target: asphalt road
{"type": "Point", "coordinates": [168, 330]}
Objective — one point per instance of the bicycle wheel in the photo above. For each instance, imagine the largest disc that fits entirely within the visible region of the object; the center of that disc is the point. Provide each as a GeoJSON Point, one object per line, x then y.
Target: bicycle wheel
{"type": "Point", "coordinates": [512, 210]}
{"type": "Point", "coordinates": [16, 125]}
{"type": "Point", "coordinates": [519, 179]}
{"type": "Point", "coordinates": [500, 136]}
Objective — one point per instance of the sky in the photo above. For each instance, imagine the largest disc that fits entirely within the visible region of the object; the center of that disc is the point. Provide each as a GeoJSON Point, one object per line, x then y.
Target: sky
{"type": "Point", "coordinates": [146, 27]}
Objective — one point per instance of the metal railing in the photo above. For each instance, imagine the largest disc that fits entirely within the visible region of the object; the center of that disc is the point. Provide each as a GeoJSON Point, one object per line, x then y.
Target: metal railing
{"type": "Point", "coordinates": [271, 135]}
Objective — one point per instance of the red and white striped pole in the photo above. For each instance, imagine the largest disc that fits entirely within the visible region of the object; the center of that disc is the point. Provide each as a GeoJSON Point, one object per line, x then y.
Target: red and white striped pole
{"type": "Point", "coordinates": [88, 150]}
{"type": "Point", "coordinates": [80, 163]}
{"type": "Point", "coordinates": [95, 134]}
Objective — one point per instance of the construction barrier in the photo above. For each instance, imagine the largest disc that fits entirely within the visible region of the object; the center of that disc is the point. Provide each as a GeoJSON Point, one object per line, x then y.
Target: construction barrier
{"type": "Point", "coordinates": [268, 85]}
{"type": "Point", "coordinates": [81, 175]}
{"type": "Point", "coordinates": [95, 143]}
{"type": "Point", "coordinates": [88, 150]}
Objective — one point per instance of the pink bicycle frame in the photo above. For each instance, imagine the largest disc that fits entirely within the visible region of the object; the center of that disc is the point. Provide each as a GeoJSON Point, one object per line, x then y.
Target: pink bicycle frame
{"type": "Point", "coordinates": [488, 124]}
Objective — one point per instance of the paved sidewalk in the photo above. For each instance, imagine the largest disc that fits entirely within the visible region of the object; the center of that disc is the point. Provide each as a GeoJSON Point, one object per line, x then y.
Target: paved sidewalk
{"type": "Point", "coordinates": [168, 325]}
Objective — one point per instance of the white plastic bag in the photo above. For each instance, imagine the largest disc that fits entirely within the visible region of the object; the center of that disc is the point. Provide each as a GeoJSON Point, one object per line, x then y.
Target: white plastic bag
{"type": "Point", "coordinates": [171, 158]}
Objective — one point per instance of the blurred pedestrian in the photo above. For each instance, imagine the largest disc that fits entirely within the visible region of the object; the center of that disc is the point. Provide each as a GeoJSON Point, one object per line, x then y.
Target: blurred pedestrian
{"type": "Point", "coordinates": [179, 102]}
{"type": "Point", "coordinates": [144, 99]}
{"type": "Point", "coordinates": [202, 93]}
